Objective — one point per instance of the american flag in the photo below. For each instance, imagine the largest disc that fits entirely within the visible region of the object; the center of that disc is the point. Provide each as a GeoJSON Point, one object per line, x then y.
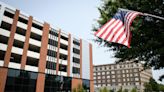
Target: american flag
{"type": "Point", "coordinates": [117, 29]}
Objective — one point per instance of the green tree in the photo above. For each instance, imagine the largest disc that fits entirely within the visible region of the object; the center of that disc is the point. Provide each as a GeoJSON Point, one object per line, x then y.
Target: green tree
{"type": "Point", "coordinates": [104, 89]}
{"type": "Point", "coordinates": [147, 32]}
{"type": "Point", "coordinates": [134, 90]}
{"type": "Point", "coordinates": [125, 90]}
{"type": "Point", "coordinates": [120, 90]}
{"type": "Point", "coordinates": [148, 87]}
{"type": "Point", "coordinates": [152, 85]}
{"type": "Point", "coordinates": [161, 87]}
{"type": "Point", "coordinates": [79, 89]}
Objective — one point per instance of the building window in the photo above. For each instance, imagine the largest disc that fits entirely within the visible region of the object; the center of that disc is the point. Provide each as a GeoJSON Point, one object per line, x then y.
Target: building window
{"type": "Point", "coordinates": [6, 26]}
{"type": "Point", "coordinates": [34, 48]}
{"type": "Point", "coordinates": [32, 61]}
{"type": "Point", "coordinates": [3, 39]}
{"type": "Point", "coordinates": [23, 20]}
{"type": "Point", "coordinates": [127, 75]}
{"type": "Point", "coordinates": [63, 68]}
{"type": "Point", "coordinates": [8, 14]}
{"type": "Point", "coordinates": [18, 43]}
{"type": "Point", "coordinates": [103, 73]}
{"type": "Point", "coordinates": [118, 75]}
{"type": "Point", "coordinates": [54, 33]}
{"type": "Point", "coordinates": [21, 31]}
{"type": "Point", "coordinates": [76, 70]}
{"type": "Point", "coordinates": [76, 51]}
{"type": "Point", "coordinates": [108, 76]}
{"type": "Point", "coordinates": [2, 54]}
{"type": "Point", "coordinates": [64, 38]}
{"type": "Point", "coordinates": [65, 47]}
{"type": "Point", "coordinates": [76, 60]}
{"type": "Point", "coordinates": [123, 75]}
{"type": "Point", "coordinates": [108, 72]}
{"type": "Point", "coordinates": [103, 77]}
{"type": "Point", "coordinates": [63, 57]}
{"type": "Point", "coordinates": [123, 79]}
{"type": "Point", "coordinates": [15, 58]}
{"type": "Point", "coordinates": [76, 43]}
{"type": "Point", "coordinates": [20, 80]}
{"type": "Point", "coordinates": [86, 84]}
{"type": "Point", "coordinates": [35, 36]}
{"type": "Point", "coordinates": [51, 65]}
{"type": "Point", "coordinates": [136, 79]}
{"type": "Point", "coordinates": [37, 26]}
{"type": "Point", "coordinates": [113, 72]}
{"type": "Point", "coordinates": [53, 42]}
{"type": "Point", "coordinates": [123, 71]}
{"type": "Point", "coordinates": [136, 74]}
{"type": "Point", "coordinates": [54, 83]}
{"type": "Point", "coordinates": [113, 80]}
{"type": "Point", "coordinates": [113, 76]}
{"type": "Point", "coordinates": [51, 53]}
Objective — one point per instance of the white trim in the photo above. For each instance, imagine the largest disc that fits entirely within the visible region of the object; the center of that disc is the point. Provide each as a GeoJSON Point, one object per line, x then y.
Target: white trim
{"type": "Point", "coordinates": [33, 54]}
{"type": "Point", "coordinates": [1, 62]}
{"type": "Point", "coordinates": [2, 9]}
{"type": "Point", "coordinates": [37, 22]}
{"type": "Point", "coordinates": [76, 55]}
{"type": "Point", "coordinates": [22, 25]}
{"type": "Point", "coordinates": [64, 34]}
{"type": "Point", "coordinates": [76, 46]}
{"type": "Point", "coordinates": [14, 65]}
{"type": "Point", "coordinates": [63, 62]}
{"type": "Point", "coordinates": [19, 37]}
{"type": "Point", "coordinates": [76, 75]}
{"type": "Point", "coordinates": [17, 50]}
{"type": "Point", "coordinates": [65, 52]}
{"type": "Point", "coordinates": [50, 71]}
{"type": "Point", "coordinates": [4, 32]}
{"type": "Point", "coordinates": [37, 31]}
{"type": "Point", "coordinates": [53, 37]}
{"type": "Point", "coordinates": [52, 59]}
{"type": "Point", "coordinates": [35, 42]}
{"type": "Point", "coordinates": [64, 41]}
{"type": "Point", "coordinates": [25, 16]}
{"type": "Point", "coordinates": [62, 73]}
{"type": "Point", "coordinates": [31, 68]}
{"type": "Point", "coordinates": [76, 65]}
{"type": "Point", "coordinates": [7, 19]}
{"type": "Point", "coordinates": [51, 47]}
{"type": "Point", "coordinates": [3, 47]}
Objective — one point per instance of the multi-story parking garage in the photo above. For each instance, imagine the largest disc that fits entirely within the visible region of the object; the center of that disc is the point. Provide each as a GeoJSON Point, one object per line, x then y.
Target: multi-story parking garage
{"type": "Point", "coordinates": [35, 57]}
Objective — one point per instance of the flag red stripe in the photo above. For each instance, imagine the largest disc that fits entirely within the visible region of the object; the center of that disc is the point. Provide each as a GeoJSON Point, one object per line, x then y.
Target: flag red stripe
{"type": "Point", "coordinates": [104, 26]}
{"type": "Point", "coordinates": [111, 30]}
{"type": "Point", "coordinates": [116, 32]}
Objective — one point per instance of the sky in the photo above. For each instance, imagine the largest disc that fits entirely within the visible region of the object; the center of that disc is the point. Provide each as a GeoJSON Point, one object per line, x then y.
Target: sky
{"type": "Point", "coordinates": [74, 16]}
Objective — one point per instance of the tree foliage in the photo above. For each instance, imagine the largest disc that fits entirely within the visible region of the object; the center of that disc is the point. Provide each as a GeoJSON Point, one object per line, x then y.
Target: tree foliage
{"type": "Point", "coordinates": [134, 90]}
{"type": "Point", "coordinates": [79, 89]}
{"type": "Point", "coordinates": [104, 89]}
{"type": "Point", "coordinates": [153, 86]}
{"type": "Point", "coordinates": [125, 90]}
{"type": "Point", "coordinates": [147, 32]}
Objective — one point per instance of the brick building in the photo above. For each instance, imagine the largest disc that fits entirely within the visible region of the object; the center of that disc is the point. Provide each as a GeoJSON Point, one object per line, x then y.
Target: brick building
{"type": "Point", "coordinates": [36, 57]}
{"type": "Point", "coordinates": [127, 75]}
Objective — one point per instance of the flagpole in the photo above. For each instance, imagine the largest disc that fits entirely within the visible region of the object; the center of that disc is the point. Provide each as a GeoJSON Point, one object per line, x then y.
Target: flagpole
{"type": "Point", "coordinates": [145, 14]}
